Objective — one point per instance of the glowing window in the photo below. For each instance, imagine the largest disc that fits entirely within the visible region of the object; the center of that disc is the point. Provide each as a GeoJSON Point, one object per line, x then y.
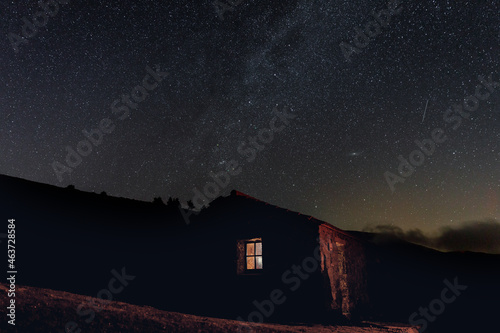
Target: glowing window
{"type": "Point", "coordinates": [253, 254]}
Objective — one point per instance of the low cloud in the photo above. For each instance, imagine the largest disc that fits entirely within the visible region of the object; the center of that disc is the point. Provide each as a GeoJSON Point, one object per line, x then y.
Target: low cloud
{"type": "Point", "coordinates": [477, 236]}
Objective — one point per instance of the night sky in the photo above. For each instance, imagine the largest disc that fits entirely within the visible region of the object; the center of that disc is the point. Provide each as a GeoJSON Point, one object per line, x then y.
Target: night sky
{"type": "Point", "coordinates": [218, 82]}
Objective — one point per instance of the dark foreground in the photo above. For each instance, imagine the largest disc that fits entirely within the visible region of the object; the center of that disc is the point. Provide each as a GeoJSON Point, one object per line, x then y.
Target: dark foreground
{"type": "Point", "coordinates": [45, 310]}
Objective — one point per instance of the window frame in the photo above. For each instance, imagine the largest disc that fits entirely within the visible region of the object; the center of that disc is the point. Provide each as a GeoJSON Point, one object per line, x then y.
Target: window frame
{"type": "Point", "coordinates": [253, 241]}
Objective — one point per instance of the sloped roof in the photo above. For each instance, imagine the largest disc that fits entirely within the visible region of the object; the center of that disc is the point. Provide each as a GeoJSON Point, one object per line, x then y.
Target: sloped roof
{"type": "Point", "coordinates": [309, 218]}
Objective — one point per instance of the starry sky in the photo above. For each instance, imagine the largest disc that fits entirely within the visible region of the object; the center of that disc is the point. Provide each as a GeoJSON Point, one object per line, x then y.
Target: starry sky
{"type": "Point", "coordinates": [223, 74]}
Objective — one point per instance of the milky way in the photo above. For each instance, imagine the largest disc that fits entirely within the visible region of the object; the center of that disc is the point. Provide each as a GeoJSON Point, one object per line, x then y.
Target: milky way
{"type": "Point", "coordinates": [225, 77]}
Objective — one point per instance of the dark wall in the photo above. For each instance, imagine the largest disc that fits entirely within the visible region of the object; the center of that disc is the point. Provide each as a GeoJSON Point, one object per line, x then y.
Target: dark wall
{"type": "Point", "coordinates": [287, 241]}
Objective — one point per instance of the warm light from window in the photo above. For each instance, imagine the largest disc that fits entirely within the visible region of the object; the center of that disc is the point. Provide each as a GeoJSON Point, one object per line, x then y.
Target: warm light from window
{"type": "Point", "coordinates": [254, 254]}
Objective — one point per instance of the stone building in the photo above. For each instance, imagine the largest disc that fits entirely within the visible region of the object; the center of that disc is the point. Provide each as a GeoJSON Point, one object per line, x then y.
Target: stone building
{"type": "Point", "coordinates": [254, 261]}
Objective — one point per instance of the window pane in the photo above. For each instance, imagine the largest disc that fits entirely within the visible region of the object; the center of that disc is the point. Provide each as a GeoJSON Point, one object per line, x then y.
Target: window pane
{"type": "Point", "coordinates": [258, 249]}
{"type": "Point", "coordinates": [250, 263]}
{"type": "Point", "coordinates": [250, 249]}
{"type": "Point", "coordinates": [259, 262]}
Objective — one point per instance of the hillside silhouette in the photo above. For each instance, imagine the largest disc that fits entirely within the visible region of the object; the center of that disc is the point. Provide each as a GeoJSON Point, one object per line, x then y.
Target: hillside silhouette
{"type": "Point", "coordinates": [70, 240]}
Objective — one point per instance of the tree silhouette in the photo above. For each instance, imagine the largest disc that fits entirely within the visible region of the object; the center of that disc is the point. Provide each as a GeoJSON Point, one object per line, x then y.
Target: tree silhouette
{"type": "Point", "coordinates": [158, 201]}
{"type": "Point", "coordinates": [190, 204]}
{"type": "Point", "coordinates": [173, 202]}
